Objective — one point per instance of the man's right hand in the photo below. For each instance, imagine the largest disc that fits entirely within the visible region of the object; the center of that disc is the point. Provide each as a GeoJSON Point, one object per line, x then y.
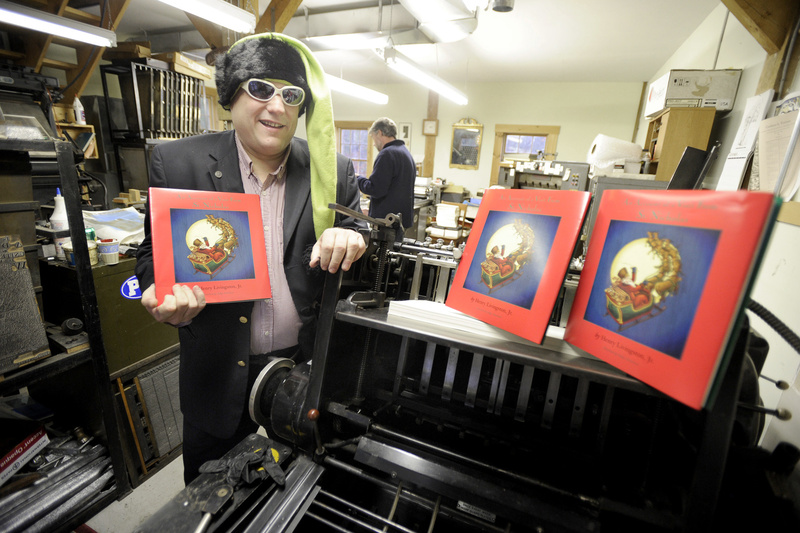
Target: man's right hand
{"type": "Point", "coordinates": [179, 308]}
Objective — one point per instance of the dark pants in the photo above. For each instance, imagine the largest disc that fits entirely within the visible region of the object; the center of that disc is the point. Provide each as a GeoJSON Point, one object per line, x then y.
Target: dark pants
{"type": "Point", "coordinates": [199, 446]}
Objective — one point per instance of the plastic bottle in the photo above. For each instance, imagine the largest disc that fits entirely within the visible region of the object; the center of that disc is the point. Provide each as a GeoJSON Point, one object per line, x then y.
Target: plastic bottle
{"type": "Point", "coordinates": [80, 114]}
{"type": "Point", "coordinates": [58, 221]}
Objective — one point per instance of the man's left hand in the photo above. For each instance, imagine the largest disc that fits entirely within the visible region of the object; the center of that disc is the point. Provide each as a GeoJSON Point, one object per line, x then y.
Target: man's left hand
{"type": "Point", "coordinates": [337, 247]}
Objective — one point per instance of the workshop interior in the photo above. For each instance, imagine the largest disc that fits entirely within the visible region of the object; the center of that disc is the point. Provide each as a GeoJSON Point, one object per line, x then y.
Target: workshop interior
{"type": "Point", "coordinates": [411, 416]}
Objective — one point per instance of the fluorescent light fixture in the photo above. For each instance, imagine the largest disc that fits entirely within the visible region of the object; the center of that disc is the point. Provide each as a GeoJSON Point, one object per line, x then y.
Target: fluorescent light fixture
{"type": "Point", "coordinates": [449, 31]}
{"type": "Point", "coordinates": [219, 12]}
{"type": "Point", "coordinates": [443, 21]}
{"type": "Point", "coordinates": [346, 87]}
{"type": "Point", "coordinates": [403, 65]}
{"type": "Point", "coordinates": [34, 19]}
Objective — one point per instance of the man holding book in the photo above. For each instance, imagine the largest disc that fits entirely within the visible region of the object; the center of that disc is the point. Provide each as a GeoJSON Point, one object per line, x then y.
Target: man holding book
{"type": "Point", "coordinates": [268, 81]}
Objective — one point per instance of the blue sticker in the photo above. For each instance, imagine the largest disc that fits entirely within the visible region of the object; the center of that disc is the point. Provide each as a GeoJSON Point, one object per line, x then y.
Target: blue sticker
{"type": "Point", "coordinates": [130, 288]}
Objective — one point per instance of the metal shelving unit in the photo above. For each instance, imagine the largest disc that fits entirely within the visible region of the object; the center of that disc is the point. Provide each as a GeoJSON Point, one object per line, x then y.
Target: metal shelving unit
{"type": "Point", "coordinates": [83, 374]}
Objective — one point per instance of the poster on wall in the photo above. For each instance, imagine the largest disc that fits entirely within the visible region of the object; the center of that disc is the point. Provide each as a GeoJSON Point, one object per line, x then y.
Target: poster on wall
{"type": "Point", "coordinates": [404, 132]}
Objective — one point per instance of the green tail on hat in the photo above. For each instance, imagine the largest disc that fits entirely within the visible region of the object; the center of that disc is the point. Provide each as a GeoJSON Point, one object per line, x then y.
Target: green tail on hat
{"type": "Point", "coordinates": [320, 131]}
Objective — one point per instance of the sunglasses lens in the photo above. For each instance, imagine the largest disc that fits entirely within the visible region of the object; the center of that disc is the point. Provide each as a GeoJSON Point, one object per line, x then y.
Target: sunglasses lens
{"type": "Point", "coordinates": [264, 91]}
{"type": "Point", "coordinates": [260, 89]}
{"type": "Point", "coordinates": [292, 95]}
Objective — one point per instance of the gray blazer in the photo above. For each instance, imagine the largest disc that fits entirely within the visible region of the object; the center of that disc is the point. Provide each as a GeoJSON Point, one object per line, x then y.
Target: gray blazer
{"type": "Point", "coordinates": [212, 381]}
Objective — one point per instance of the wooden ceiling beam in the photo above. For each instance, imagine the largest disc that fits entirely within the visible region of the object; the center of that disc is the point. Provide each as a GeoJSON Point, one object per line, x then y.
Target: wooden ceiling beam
{"type": "Point", "coordinates": [769, 21]}
{"type": "Point", "coordinates": [89, 56]}
{"type": "Point", "coordinates": [277, 15]}
{"type": "Point", "coordinates": [218, 38]}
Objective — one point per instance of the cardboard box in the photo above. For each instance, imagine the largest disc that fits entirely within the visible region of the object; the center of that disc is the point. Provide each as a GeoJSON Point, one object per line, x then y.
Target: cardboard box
{"type": "Point", "coordinates": [693, 88]}
{"type": "Point", "coordinates": [128, 50]}
{"type": "Point", "coordinates": [182, 64]}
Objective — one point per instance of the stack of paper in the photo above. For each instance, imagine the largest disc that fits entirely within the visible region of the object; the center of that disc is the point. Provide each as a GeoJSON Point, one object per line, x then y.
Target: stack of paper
{"type": "Point", "coordinates": [446, 317]}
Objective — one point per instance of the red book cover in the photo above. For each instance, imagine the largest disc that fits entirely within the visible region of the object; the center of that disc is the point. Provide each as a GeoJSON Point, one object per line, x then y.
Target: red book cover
{"type": "Point", "coordinates": [664, 282]}
{"type": "Point", "coordinates": [516, 258]}
{"type": "Point", "coordinates": [211, 239]}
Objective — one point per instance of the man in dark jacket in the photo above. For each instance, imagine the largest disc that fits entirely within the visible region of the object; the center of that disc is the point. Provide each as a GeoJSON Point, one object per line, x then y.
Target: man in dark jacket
{"type": "Point", "coordinates": [391, 185]}
{"type": "Point", "coordinates": [268, 81]}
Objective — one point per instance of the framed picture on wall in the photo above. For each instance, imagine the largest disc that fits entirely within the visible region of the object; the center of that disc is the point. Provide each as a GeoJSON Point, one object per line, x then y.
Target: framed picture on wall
{"type": "Point", "coordinates": [466, 145]}
{"type": "Point", "coordinates": [404, 132]}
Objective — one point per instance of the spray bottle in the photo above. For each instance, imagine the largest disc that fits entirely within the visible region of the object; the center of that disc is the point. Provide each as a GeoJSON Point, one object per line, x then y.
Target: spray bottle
{"type": "Point", "coordinates": [58, 221]}
{"type": "Point", "coordinates": [80, 114]}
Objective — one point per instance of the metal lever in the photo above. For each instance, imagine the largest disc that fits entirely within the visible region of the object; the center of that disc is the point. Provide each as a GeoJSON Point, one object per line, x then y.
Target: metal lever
{"type": "Point", "coordinates": [386, 222]}
{"type": "Point", "coordinates": [213, 504]}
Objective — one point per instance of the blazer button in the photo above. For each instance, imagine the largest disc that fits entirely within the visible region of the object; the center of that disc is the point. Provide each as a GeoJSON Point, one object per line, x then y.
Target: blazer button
{"type": "Point", "coordinates": [243, 319]}
{"type": "Point", "coordinates": [241, 363]}
{"type": "Point", "coordinates": [218, 173]}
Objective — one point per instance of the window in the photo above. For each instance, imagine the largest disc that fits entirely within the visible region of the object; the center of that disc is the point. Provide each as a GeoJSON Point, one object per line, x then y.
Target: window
{"type": "Point", "coordinates": [514, 141]}
{"type": "Point", "coordinates": [353, 141]}
{"type": "Point", "coordinates": [524, 146]}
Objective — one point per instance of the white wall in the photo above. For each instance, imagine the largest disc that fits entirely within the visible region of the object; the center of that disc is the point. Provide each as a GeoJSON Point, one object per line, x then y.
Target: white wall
{"type": "Point", "coordinates": [583, 110]}
{"type": "Point", "coordinates": [737, 50]}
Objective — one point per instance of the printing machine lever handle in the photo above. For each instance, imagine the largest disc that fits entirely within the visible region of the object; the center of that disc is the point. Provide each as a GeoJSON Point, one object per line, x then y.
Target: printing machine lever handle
{"type": "Point", "coordinates": [218, 497]}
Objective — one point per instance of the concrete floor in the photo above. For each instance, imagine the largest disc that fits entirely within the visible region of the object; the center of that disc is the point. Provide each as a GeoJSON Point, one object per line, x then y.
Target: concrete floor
{"type": "Point", "coordinates": [126, 515]}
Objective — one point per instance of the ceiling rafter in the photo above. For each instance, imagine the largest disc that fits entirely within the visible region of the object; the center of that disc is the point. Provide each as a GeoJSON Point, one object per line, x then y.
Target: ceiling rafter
{"type": "Point", "coordinates": [275, 18]}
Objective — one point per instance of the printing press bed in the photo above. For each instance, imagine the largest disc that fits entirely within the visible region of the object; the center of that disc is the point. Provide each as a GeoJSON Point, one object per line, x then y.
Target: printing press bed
{"type": "Point", "coordinates": [408, 426]}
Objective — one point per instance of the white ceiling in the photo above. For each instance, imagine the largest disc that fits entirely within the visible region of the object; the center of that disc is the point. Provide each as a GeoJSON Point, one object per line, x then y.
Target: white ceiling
{"type": "Point", "coordinates": [540, 40]}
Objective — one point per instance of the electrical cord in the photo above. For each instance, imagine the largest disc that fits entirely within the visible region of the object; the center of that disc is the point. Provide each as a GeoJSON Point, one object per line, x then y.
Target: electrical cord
{"type": "Point", "coordinates": [776, 324]}
{"type": "Point", "coordinates": [102, 184]}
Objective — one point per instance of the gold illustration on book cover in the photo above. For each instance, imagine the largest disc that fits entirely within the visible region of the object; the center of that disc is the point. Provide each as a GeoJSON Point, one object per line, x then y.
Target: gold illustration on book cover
{"type": "Point", "coordinates": [651, 271]}
{"type": "Point", "coordinates": [654, 261]}
{"type": "Point", "coordinates": [500, 268]}
{"type": "Point", "coordinates": [206, 257]}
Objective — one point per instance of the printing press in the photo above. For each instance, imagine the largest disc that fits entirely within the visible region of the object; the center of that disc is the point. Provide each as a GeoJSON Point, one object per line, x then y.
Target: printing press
{"type": "Point", "coordinates": [405, 425]}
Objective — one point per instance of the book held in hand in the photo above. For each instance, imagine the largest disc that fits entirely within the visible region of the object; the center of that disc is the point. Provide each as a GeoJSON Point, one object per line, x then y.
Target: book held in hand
{"type": "Point", "coordinates": [665, 281]}
{"type": "Point", "coordinates": [211, 239]}
{"type": "Point", "coordinates": [516, 258]}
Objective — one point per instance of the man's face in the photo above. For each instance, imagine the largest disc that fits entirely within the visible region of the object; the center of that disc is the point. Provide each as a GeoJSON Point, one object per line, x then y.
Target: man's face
{"type": "Point", "coordinates": [264, 128]}
{"type": "Point", "coordinates": [379, 140]}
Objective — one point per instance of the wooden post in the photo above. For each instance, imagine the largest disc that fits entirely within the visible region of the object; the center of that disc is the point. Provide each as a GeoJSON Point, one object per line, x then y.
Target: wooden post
{"type": "Point", "coordinates": [430, 140]}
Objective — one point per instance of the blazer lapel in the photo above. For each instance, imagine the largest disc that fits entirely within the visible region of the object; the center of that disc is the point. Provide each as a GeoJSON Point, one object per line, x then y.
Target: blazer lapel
{"type": "Point", "coordinates": [224, 165]}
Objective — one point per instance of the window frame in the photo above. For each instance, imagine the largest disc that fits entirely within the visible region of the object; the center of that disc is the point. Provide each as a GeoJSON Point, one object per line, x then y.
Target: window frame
{"type": "Point", "coordinates": [355, 125]}
{"type": "Point", "coordinates": [500, 132]}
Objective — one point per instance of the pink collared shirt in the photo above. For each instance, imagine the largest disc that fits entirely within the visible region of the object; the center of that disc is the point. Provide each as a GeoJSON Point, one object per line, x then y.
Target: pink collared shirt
{"type": "Point", "coordinates": [274, 323]}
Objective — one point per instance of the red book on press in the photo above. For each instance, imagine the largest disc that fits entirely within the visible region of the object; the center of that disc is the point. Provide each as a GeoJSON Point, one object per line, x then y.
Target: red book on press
{"type": "Point", "coordinates": [211, 239]}
{"type": "Point", "coordinates": [516, 258]}
{"type": "Point", "coordinates": [665, 282]}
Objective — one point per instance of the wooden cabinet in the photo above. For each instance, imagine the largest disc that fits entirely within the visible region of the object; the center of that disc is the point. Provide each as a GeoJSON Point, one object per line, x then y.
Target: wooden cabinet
{"type": "Point", "coordinates": [671, 131]}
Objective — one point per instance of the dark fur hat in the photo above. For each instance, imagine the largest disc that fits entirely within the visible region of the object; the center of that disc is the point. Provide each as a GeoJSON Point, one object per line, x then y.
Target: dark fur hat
{"type": "Point", "coordinates": [261, 58]}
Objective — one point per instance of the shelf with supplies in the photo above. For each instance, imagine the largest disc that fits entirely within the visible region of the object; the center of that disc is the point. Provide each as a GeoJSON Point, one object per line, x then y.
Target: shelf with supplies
{"type": "Point", "coordinates": [71, 385]}
{"type": "Point", "coordinates": [159, 105]}
{"type": "Point", "coordinates": [150, 429]}
{"type": "Point", "coordinates": [670, 131]}
{"type": "Point", "coordinates": [82, 135]}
